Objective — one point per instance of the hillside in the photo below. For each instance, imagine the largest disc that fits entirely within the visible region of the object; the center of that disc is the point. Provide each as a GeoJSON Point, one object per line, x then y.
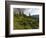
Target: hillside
{"type": "Point", "coordinates": [26, 22]}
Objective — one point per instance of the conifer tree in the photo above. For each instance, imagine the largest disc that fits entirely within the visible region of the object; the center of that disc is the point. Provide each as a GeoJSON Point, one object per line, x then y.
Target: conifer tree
{"type": "Point", "coordinates": [29, 14]}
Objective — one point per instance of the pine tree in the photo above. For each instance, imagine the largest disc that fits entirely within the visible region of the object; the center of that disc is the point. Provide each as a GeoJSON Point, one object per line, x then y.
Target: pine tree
{"type": "Point", "coordinates": [29, 14]}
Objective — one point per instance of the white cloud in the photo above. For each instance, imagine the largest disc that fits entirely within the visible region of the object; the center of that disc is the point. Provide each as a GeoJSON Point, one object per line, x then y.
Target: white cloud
{"type": "Point", "coordinates": [32, 11]}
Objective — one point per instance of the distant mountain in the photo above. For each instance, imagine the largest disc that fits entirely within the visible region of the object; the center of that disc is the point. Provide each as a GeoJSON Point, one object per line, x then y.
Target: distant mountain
{"type": "Point", "coordinates": [35, 17]}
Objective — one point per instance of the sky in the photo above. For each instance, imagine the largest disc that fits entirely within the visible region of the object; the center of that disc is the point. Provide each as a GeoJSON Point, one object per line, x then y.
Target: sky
{"type": "Point", "coordinates": [27, 11]}
{"type": "Point", "coordinates": [32, 11]}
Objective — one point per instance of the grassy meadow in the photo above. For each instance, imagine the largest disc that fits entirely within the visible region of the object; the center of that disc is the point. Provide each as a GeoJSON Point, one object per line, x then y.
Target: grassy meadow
{"type": "Point", "coordinates": [22, 21]}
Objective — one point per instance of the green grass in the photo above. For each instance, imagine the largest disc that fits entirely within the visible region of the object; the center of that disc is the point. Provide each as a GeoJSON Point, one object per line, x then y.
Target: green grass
{"type": "Point", "coordinates": [21, 22]}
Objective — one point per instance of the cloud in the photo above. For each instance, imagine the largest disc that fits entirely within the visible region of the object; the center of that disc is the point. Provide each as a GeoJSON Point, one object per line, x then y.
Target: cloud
{"type": "Point", "coordinates": [31, 11]}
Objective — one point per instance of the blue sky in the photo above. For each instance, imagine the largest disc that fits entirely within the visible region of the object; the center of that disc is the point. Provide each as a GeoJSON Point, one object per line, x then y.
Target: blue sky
{"type": "Point", "coordinates": [32, 11]}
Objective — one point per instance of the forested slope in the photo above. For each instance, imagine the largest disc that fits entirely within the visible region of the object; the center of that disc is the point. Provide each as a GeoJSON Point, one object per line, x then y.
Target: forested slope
{"type": "Point", "coordinates": [22, 21]}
